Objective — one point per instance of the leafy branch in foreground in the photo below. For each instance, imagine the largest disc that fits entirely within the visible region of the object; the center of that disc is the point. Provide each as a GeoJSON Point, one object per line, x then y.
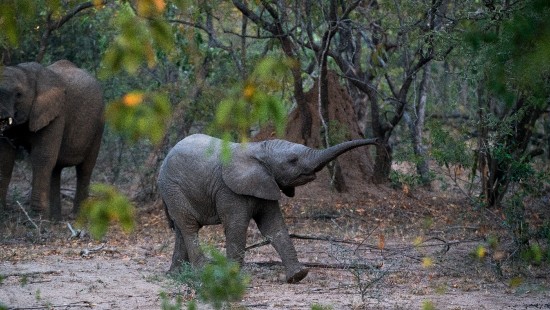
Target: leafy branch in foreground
{"type": "Point", "coordinates": [220, 281]}
{"type": "Point", "coordinates": [255, 102]}
{"type": "Point", "coordinates": [106, 205]}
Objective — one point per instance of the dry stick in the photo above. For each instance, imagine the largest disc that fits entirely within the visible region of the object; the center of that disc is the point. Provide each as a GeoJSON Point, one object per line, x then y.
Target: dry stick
{"type": "Point", "coordinates": [77, 304]}
{"type": "Point", "coordinates": [343, 266]}
{"type": "Point", "coordinates": [28, 217]}
{"type": "Point", "coordinates": [30, 274]}
{"type": "Point", "coordinates": [294, 236]}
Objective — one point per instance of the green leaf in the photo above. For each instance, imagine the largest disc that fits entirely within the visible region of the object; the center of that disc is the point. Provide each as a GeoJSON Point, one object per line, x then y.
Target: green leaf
{"type": "Point", "coordinates": [105, 206]}
{"type": "Point", "coordinates": [140, 118]}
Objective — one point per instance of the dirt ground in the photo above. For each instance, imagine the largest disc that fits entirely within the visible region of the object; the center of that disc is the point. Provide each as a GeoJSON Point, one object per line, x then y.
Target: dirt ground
{"type": "Point", "coordinates": [382, 248]}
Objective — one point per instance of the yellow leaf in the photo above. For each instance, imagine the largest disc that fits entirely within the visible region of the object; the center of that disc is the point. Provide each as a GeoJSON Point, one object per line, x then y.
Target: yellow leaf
{"type": "Point", "coordinates": [427, 262]}
{"type": "Point", "coordinates": [481, 251]}
{"type": "Point", "coordinates": [249, 91]}
{"type": "Point", "coordinates": [515, 282]}
{"type": "Point", "coordinates": [132, 99]}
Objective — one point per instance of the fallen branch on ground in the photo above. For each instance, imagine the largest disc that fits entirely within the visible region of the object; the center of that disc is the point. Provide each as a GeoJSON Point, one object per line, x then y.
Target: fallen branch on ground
{"type": "Point", "coordinates": [86, 252]}
{"type": "Point", "coordinates": [28, 217]}
{"type": "Point", "coordinates": [79, 304]}
{"type": "Point", "coordinates": [27, 274]}
{"type": "Point", "coordinates": [302, 237]}
{"type": "Point", "coordinates": [343, 266]}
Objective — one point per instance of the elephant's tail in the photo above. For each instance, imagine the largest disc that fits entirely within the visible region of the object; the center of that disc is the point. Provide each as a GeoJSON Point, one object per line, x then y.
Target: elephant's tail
{"type": "Point", "coordinates": [170, 221]}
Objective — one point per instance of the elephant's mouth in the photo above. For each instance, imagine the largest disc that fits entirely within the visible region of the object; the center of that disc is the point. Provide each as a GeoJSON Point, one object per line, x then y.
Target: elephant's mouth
{"type": "Point", "coordinates": [5, 123]}
{"type": "Point", "coordinates": [304, 178]}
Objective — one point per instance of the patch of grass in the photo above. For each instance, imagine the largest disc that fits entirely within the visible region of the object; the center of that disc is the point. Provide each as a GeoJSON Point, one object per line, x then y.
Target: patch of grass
{"type": "Point", "coordinates": [428, 305]}
{"type": "Point", "coordinates": [321, 307]}
{"type": "Point", "coordinates": [217, 283]}
{"type": "Point", "coordinates": [166, 304]}
{"type": "Point", "coordinates": [24, 280]}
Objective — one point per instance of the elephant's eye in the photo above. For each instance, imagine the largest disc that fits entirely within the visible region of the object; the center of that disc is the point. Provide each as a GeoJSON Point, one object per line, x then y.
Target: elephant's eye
{"type": "Point", "coordinates": [18, 95]}
{"type": "Point", "coordinates": [293, 160]}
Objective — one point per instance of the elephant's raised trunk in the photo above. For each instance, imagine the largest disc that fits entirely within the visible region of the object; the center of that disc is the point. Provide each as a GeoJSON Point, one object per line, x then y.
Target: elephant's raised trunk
{"type": "Point", "coordinates": [323, 157]}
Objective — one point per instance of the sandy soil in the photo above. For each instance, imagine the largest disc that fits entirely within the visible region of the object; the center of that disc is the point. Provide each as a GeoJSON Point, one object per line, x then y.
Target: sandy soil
{"type": "Point", "coordinates": [389, 250]}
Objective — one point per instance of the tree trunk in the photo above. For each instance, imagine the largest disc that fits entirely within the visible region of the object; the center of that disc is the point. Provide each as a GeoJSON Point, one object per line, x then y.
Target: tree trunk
{"type": "Point", "coordinates": [416, 127]}
{"type": "Point", "coordinates": [382, 164]}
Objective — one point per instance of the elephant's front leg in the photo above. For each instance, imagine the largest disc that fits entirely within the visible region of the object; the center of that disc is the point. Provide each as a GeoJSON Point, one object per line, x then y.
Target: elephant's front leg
{"type": "Point", "coordinates": [271, 224]}
{"type": "Point", "coordinates": [44, 153]}
{"type": "Point", "coordinates": [40, 188]}
{"type": "Point", "coordinates": [7, 160]}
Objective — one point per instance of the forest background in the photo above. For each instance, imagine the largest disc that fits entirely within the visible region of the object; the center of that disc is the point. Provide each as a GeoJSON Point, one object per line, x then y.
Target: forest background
{"type": "Point", "coordinates": [459, 91]}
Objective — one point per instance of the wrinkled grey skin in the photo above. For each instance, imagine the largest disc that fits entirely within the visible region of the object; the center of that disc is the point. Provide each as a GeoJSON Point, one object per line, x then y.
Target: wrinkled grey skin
{"type": "Point", "coordinates": [56, 113]}
{"type": "Point", "coordinates": [198, 189]}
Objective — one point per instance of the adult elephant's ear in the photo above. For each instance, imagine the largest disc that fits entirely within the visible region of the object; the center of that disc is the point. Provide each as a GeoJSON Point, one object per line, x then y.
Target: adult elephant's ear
{"type": "Point", "coordinates": [246, 175]}
{"type": "Point", "coordinates": [49, 99]}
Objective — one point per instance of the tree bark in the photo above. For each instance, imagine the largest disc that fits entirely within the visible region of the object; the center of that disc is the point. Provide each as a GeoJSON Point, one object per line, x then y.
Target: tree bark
{"type": "Point", "coordinates": [416, 127]}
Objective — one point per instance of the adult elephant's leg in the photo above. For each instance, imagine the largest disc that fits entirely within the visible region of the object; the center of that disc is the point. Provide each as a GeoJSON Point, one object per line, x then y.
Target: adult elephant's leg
{"type": "Point", "coordinates": [7, 160]}
{"type": "Point", "coordinates": [42, 168]}
{"type": "Point", "coordinates": [180, 252]}
{"type": "Point", "coordinates": [45, 146]}
{"type": "Point", "coordinates": [271, 224]}
{"type": "Point", "coordinates": [55, 194]}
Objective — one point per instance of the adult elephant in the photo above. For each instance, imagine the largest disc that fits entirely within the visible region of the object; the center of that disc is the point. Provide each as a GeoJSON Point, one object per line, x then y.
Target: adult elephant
{"type": "Point", "coordinates": [56, 113]}
{"type": "Point", "coordinates": [198, 188]}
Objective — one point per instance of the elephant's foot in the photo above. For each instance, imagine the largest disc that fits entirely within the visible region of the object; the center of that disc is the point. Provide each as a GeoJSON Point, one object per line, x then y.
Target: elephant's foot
{"type": "Point", "coordinates": [295, 275]}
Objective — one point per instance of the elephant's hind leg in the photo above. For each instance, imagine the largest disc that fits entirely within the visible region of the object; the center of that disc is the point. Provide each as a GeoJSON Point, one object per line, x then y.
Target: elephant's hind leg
{"type": "Point", "coordinates": [84, 172]}
{"type": "Point", "coordinates": [180, 252]}
{"type": "Point", "coordinates": [186, 227]}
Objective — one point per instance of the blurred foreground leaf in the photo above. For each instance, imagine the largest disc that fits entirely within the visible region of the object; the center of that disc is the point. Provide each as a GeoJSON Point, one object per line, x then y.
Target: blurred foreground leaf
{"type": "Point", "coordinates": [255, 102]}
{"type": "Point", "coordinates": [105, 206]}
{"type": "Point", "coordinates": [138, 37]}
{"type": "Point", "coordinates": [222, 280]}
{"type": "Point", "coordinates": [140, 115]}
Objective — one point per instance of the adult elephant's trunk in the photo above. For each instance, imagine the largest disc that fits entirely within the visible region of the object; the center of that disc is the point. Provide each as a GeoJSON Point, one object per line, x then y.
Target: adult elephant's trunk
{"type": "Point", "coordinates": [322, 157]}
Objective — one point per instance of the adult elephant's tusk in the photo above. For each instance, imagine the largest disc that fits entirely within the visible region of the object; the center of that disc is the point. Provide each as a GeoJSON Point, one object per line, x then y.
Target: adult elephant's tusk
{"type": "Point", "coordinates": [10, 120]}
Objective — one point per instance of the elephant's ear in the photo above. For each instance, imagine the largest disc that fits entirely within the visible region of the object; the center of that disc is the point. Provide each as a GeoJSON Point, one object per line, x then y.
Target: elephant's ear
{"type": "Point", "coordinates": [246, 175]}
{"type": "Point", "coordinates": [48, 101]}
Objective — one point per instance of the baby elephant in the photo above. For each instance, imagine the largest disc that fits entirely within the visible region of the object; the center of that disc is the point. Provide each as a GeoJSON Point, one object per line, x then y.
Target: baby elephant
{"type": "Point", "coordinates": [198, 188]}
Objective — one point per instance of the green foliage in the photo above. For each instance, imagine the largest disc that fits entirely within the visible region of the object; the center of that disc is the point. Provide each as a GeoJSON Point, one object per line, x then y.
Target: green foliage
{"type": "Point", "coordinates": [218, 282]}
{"type": "Point", "coordinates": [447, 149]}
{"type": "Point", "coordinates": [338, 132]}
{"type": "Point", "coordinates": [533, 254]}
{"type": "Point", "coordinates": [399, 179]}
{"type": "Point", "coordinates": [166, 304]}
{"type": "Point", "coordinates": [188, 275]}
{"type": "Point", "coordinates": [222, 281]}
{"type": "Point", "coordinates": [519, 53]}
{"type": "Point", "coordinates": [428, 305]}
{"type": "Point", "coordinates": [137, 38]}
{"type": "Point", "coordinates": [139, 115]}
{"type": "Point", "coordinates": [106, 205]}
{"type": "Point", "coordinates": [255, 102]}
{"type": "Point", "coordinates": [321, 307]}
{"type": "Point", "coordinates": [15, 13]}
